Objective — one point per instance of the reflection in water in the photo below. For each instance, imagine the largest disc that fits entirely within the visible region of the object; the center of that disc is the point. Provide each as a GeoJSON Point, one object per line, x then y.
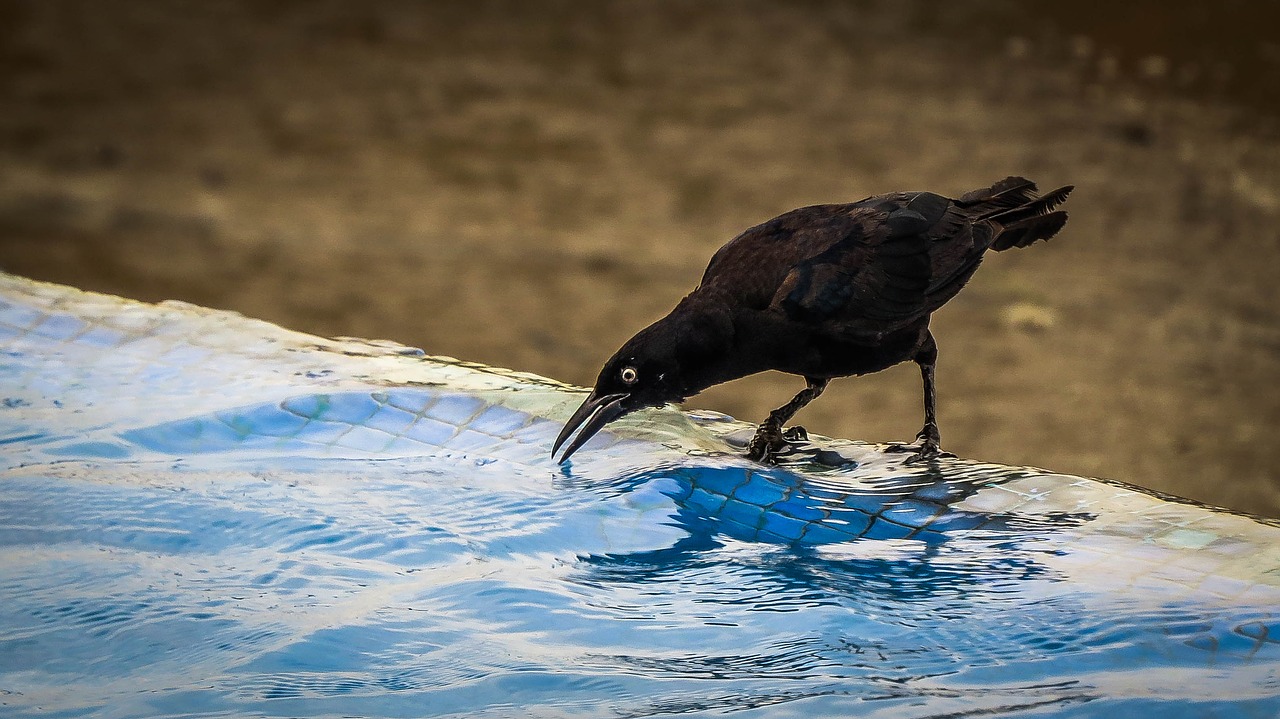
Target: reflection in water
{"type": "Point", "coordinates": [305, 541]}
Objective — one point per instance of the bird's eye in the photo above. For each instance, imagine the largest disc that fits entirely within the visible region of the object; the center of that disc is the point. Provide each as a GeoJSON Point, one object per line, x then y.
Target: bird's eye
{"type": "Point", "coordinates": [629, 375]}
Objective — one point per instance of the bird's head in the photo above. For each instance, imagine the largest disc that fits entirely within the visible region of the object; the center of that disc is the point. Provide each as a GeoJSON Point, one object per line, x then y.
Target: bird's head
{"type": "Point", "coordinates": [670, 360]}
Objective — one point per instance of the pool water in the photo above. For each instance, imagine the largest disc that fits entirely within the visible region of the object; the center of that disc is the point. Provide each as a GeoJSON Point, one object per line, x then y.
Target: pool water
{"type": "Point", "coordinates": [202, 516]}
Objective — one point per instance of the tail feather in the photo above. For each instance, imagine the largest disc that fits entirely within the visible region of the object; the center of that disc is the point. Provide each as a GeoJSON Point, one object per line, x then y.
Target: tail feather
{"type": "Point", "coordinates": [1035, 207]}
{"type": "Point", "coordinates": [1018, 215]}
{"type": "Point", "coordinates": [1027, 230]}
{"type": "Point", "coordinates": [1009, 192]}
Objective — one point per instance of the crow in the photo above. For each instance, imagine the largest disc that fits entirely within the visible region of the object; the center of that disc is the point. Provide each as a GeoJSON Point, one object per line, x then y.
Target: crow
{"type": "Point", "coordinates": [821, 292]}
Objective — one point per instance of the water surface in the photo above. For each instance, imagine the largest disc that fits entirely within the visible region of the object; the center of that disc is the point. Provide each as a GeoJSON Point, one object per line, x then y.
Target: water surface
{"type": "Point", "coordinates": [207, 516]}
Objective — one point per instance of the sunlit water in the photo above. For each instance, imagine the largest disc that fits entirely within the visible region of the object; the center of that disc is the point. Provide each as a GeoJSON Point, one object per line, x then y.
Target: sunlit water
{"type": "Point", "coordinates": [203, 516]}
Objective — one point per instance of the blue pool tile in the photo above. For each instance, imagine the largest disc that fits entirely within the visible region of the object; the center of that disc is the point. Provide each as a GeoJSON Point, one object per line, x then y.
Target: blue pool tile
{"type": "Point", "coordinates": [365, 439]}
{"type": "Point", "coordinates": [720, 480]}
{"type": "Point", "coordinates": [952, 520]}
{"type": "Point", "coordinates": [785, 527]}
{"type": "Point", "coordinates": [469, 441]}
{"type": "Point", "coordinates": [538, 430]}
{"type": "Point", "coordinates": [321, 432]}
{"type": "Point", "coordinates": [704, 501]}
{"type": "Point", "coordinates": [268, 420]}
{"type": "Point", "coordinates": [759, 491]}
{"type": "Point", "coordinates": [929, 536]}
{"type": "Point", "coordinates": [92, 450]}
{"type": "Point", "coordinates": [825, 493]}
{"type": "Point", "coordinates": [500, 421]}
{"type": "Point", "coordinates": [911, 512]}
{"type": "Point", "coordinates": [745, 514]}
{"type": "Point", "coordinates": [351, 407]}
{"type": "Point", "coordinates": [802, 508]}
{"type": "Point", "coordinates": [848, 521]}
{"type": "Point", "coordinates": [238, 422]}
{"type": "Point", "coordinates": [455, 409]}
{"type": "Point", "coordinates": [885, 529]}
{"type": "Point", "coordinates": [195, 435]}
{"type": "Point", "coordinates": [307, 406]}
{"type": "Point", "coordinates": [939, 492]}
{"type": "Point", "coordinates": [733, 528]}
{"type": "Point", "coordinates": [406, 447]}
{"type": "Point", "coordinates": [677, 487]}
{"type": "Point", "coordinates": [390, 420]}
{"type": "Point", "coordinates": [413, 401]}
{"type": "Point", "coordinates": [669, 487]}
{"type": "Point", "coordinates": [871, 503]}
{"type": "Point", "coordinates": [430, 431]}
{"type": "Point", "coordinates": [819, 533]}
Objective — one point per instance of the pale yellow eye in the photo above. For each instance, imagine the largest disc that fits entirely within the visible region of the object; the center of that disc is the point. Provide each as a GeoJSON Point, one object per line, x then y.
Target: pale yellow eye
{"type": "Point", "coordinates": [629, 375]}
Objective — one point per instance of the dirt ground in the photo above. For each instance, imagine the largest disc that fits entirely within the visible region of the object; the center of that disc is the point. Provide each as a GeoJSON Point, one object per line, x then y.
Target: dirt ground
{"type": "Point", "coordinates": [527, 184]}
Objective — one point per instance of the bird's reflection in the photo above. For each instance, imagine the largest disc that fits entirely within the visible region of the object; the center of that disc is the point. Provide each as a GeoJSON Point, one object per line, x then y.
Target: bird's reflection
{"type": "Point", "coordinates": [884, 539]}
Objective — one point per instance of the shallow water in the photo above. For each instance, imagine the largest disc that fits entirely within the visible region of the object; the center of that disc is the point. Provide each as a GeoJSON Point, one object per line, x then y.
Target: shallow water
{"type": "Point", "coordinates": [206, 516]}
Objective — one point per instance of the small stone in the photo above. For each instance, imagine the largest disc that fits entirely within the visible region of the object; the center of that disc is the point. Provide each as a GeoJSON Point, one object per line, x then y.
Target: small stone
{"type": "Point", "coordinates": [1028, 317]}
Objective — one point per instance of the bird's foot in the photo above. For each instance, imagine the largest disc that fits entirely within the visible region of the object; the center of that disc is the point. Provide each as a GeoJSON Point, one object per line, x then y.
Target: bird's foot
{"type": "Point", "coordinates": [928, 451]}
{"type": "Point", "coordinates": [795, 434]}
{"type": "Point", "coordinates": [766, 444]}
{"type": "Point", "coordinates": [926, 448]}
{"type": "Point", "coordinates": [769, 441]}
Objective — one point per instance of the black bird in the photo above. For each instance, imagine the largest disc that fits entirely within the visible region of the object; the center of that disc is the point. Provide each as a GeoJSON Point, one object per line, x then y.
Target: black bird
{"type": "Point", "coordinates": [821, 292]}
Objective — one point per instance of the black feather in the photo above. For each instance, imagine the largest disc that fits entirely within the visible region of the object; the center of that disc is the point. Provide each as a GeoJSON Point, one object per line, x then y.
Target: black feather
{"type": "Point", "coordinates": [1009, 192]}
{"type": "Point", "coordinates": [1028, 230]}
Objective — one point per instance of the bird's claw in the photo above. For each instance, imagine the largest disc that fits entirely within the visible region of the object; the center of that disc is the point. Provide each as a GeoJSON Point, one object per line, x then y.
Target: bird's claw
{"type": "Point", "coordinates": [769, 442]}
{"type": "Point", "coordinates": [928, 452]}
{"type": "Point", "coordinates": [926, 449]}
{"type": "Point", "coordinates": [795, 434]}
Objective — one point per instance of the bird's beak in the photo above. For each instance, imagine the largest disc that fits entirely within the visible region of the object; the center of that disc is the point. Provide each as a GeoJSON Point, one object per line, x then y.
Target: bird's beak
{"type": "Point", "coordinates": [595, 412]}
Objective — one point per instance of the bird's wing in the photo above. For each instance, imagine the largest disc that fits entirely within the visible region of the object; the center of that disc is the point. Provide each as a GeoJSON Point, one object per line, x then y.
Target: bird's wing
{"type": "Point", "coordinates": [896, 259]}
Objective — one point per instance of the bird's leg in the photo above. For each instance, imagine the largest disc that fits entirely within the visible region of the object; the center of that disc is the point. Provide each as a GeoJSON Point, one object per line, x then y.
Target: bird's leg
{"type": "Point", "coordinates": [770, 438]}
{"type": "Point", "coordinates": [928, 436]}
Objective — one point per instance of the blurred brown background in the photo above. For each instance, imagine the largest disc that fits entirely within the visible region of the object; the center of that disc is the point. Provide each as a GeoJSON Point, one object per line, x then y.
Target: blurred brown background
{"type": "Point", "coordinates": [527, 184]}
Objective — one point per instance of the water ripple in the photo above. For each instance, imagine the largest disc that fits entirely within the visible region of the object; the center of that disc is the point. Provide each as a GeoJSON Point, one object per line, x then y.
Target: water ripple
{"type": "Point", "coordinates": [281, 533]}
